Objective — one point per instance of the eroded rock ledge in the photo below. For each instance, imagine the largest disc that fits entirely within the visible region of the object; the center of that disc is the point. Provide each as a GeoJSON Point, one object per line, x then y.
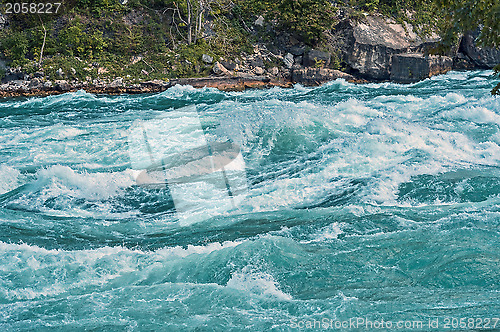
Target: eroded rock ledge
{"type": "Point", "coordinates": [26, 88]}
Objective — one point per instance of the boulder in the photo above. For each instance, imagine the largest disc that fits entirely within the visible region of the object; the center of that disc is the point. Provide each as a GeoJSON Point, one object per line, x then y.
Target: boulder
{"type": "Point", "coordinates": [257, 62]}
{"type": "Point", "coordinates": [367, 46]}
{"type": "Point", "coordinates": [118, 82]}
{"type": "Point", "coordinates": [230, 65]}
{"type": "Point", "coordinates": [207, 59]}
{"type": "Point", "coordinates": [408, 68]}
{"type": "Point", "coordinates": [482, 57]}
{"type": "Point", "coordinates": [35, 83]}
{"type": "Point", "coordinates": [317, 76]}
{"type": "Point", "coordinates": [259, 21]}
{"type": "Point", "coordinates": [297, 50]}
{"type": "Point", "coordinates": [274, 71]}
{"type": "Point", "coordinates": [315, 58]}
{"type": "Point", "coordinates": [135, 59]}
{"type": "Point", "coordinates": [258, 70]}
{"type": "Point", "coordinates": [62, 85]}
{"type": "Point", "coordinates": [219, 69]}
{"type": "Point", "coordinates": [288, 60]}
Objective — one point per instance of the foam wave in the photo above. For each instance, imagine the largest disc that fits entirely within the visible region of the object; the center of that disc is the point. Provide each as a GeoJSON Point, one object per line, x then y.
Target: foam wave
{"type": "Point", "coordinates": [37, 273]}
{"type": "Point", "coordinates": [61, 190]}
{"type": "Point", "coordinates": [258, 283]}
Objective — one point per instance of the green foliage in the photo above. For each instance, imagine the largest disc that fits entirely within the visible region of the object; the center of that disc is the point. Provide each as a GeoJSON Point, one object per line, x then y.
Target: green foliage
{"type": "Point", "coordinates": [307, 18]}
{"type": "Point", "coordinates": [319, 63]}
{"type": "Point", "coordinates": [75, 39]}
{"type": "Point", "coordinates": [15, 47]}
{"type": "Point", "coordinates": [466, 15]}
{"type": "Point", "coordinates": [337, 62]}
{"type": "Point", "coordinates": [98, 6]}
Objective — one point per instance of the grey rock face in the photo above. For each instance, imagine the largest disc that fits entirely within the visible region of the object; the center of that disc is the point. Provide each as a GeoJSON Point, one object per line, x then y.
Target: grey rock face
{"type": "Point", "coordinates": [462, 62]}
{"type": "Point", "coordinates": [483, 57]}
{"type": "Point", "coordinates": [13, 76]}
{"type": "Point", "coordinates": [315, 58]}
{"type": "Point", "coordinates": [408, 68]}
{"type": "Point", "coordinates": [369, 45]}
{"type": "Point", "coordinates": [297, 50]}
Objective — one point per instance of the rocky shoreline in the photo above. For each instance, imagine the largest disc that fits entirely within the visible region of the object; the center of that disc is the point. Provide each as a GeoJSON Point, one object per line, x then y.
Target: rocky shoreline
{"type": "Point", "coordinates": [374, 49]}
{"type": "Point", "coordinates": [28, 88]}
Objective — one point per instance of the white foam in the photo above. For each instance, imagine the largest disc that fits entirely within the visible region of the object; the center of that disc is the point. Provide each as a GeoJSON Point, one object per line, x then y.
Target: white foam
{"type": "Point", "coordinates": [9, 178]}
{"type": "Point", "coordinates": [325, 234]}
{"type": "Point", "coordinates": [37, 272]}
{"type": "Point", "coordinates": [82, 184]}
{"type": "Point", "coordinates": [257, 283]}
{"type": "Point", "coordinates": [476, 114]}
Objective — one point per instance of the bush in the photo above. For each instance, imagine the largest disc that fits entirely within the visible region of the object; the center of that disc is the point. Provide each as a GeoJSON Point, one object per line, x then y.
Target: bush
{"type": "Point", "coordinates": [307, 18]}
{"type": "Point", "coordinates": [74, 40]}
{"type": "Point", "coordinates": [15, 46]}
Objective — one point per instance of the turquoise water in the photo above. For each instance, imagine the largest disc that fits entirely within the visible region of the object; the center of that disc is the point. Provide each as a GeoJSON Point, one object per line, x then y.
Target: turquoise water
{"type": "Point", "coordinates": [374, 202]}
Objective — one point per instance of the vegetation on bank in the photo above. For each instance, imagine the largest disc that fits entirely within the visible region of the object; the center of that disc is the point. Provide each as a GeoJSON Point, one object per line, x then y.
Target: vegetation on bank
{"type": "Point", "coordinates": [163, 39]}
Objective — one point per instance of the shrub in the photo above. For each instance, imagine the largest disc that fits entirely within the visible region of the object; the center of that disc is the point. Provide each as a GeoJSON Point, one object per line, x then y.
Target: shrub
{"type": "Point", "coordinates": [15, 46]}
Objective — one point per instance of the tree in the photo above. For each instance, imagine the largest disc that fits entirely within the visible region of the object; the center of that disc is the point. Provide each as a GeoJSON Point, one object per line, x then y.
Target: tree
{"type": "Point", "coordinates": [188, 18]}
{"type": "Point", "coordinates": [468, 15]}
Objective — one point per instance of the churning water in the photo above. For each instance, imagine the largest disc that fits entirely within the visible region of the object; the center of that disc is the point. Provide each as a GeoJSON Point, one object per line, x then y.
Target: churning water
{"type": "Point", "coordinates": [374, 202]}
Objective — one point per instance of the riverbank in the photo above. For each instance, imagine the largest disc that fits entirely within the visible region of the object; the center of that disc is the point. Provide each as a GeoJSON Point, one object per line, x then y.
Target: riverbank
{"type": "Point", "coordinates": [371, 49]}
{"type": "Point", "coordinates": [36, 87]}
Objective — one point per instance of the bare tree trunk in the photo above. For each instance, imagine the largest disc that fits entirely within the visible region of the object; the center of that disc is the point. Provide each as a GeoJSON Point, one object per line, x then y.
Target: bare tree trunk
{"type": "Point", "coordinates": [189, 22]}
{"type": "Point", "coordinates": [199, 18]}
{"type": "Point", "coordinates": [43, 44]}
